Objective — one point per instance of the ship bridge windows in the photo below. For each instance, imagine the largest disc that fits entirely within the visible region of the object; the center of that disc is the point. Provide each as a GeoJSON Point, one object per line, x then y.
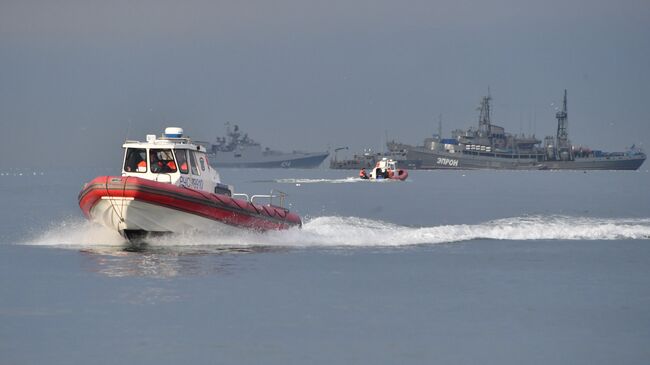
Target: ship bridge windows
{"type": "Point", "coordinates": [161, 160]}
{"type": "Point", "coordinates": [135, 160]}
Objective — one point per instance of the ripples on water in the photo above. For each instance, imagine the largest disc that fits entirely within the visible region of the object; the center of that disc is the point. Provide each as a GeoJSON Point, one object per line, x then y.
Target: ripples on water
{"type": "Point", "coordinates": [156, 262]}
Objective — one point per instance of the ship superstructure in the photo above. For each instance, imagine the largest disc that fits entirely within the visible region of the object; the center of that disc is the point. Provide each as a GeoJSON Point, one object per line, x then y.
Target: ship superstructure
{"type": "Point", "coordinates": [490, 147]}
{"type": "Point", "coordinates": [236, 149]}
{"type": "Point", "coordinates": [369, 159]}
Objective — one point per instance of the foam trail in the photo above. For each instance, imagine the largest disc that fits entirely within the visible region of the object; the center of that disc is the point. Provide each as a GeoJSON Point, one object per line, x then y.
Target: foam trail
{"type": "Point", "coordinates": [351, 231]}
{"type": "Point", "coordinates": [76, 233]}
{"type": "Point", "coordinates": [336, 231]}
{"type": "Point", "coordinates": [330, 181]}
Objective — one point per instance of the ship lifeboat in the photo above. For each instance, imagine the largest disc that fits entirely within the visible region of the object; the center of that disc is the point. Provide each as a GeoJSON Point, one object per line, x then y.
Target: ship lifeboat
{"type": "Point", "coordinates": [384, 169]}
{"type": "Point", "coordinates": [168, 186]}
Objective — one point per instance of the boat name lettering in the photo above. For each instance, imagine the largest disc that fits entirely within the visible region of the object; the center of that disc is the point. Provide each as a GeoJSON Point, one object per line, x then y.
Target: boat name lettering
{"type": "Point", "coordinates": [447, 162]}
{"type": "Point", "coordinates": [190, 182]}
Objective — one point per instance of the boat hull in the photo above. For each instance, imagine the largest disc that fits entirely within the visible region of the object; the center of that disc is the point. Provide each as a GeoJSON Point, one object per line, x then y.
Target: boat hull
{"type": "Point", "coordinates": [401, 175]}
{"type": "Point", "coordinates": [131, 204]}
{"type": "Point", "coordinates": [598, 163]}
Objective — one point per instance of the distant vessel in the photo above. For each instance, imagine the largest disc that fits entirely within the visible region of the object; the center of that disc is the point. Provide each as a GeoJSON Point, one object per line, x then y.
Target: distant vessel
{"type": "Point", "coordinates": [384, 169]}
{"type": "Point", "coordinates": [238, 150]}
{"type": "Point", "coordinates": [490, 147]}
{"type": "Point", "coordinates": [369, 159]}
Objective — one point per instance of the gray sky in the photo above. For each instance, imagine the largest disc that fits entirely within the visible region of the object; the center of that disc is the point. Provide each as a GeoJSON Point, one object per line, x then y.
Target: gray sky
{"type": "Point", "coordinates": [74, 75]}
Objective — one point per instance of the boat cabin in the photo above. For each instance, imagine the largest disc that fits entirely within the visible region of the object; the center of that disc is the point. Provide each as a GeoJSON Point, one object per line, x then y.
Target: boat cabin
{"type": "Point", "coordinates": [172, 159]}
{"type": "Point", "coordinates": [384, 169]}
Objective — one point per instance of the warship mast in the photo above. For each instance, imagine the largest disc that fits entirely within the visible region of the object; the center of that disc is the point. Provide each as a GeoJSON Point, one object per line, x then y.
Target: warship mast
{"type": "Point", "coordinates": [563, 145]}
{"type": "Point", "coordinates": [484, 115]}
{"type": "Point", "coordinates": [438, 136]}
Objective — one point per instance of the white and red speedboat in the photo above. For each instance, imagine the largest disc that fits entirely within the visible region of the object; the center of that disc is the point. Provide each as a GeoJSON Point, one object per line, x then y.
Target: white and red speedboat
{"type": "Point", "coordinates": [384, 169]}
{"type": "Point", "coordinates": [168, 186]}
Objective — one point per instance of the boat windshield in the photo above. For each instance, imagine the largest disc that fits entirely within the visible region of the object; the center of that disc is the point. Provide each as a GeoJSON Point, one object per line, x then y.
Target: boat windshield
{"type": "Point", "coordinates": [201, 161]}
{"type": "Point", "coordinates": [161, 161]}
{"type": "Point", "coordinates": [181, 159]}
{"type": "Point", "coordinates": [193, 164]}
{"type": "Point", "coordinates": [135, 160]}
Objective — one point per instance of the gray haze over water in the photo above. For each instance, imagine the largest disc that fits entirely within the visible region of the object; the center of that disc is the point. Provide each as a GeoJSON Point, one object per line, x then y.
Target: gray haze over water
{"type": "Point", "coordinates": [77, 77]}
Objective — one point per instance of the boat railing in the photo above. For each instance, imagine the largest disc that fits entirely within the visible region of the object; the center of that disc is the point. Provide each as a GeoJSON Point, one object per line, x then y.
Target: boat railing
{"type": "Point", "coordinates": [274, 194]}
{"type": "Point", "coordinates": [243, 195]}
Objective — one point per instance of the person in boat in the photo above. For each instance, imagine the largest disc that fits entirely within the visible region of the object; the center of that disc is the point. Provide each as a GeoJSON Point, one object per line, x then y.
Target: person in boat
{"type": "Point", "coordinates": [171, 166]}
{"type": "Point", "coordinates": [156, 164]}
{"type": "Point", "coordinates": [181, 158]}
{"type": "Point", "coordinates": [389, 173]}
{"type": "Point", "coordinates": [161, 162]}
{"type": "Point", "coordinates": [142, 165]}
{"type": "Point", "coordinates": [363, 174]}
{"type": "Point", "coordinates": [136, 160]}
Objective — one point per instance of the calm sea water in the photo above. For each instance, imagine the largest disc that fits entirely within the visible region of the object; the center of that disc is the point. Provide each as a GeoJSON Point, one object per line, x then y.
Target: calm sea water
{"type": "Point", "coordinates": [448, 267]}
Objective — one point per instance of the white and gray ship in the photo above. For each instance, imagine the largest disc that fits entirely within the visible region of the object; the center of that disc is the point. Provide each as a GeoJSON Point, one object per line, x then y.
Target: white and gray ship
{"type": "Point", "coordinates": [490, 147]}
{"type": "Point", "coordinates": [236, 149]}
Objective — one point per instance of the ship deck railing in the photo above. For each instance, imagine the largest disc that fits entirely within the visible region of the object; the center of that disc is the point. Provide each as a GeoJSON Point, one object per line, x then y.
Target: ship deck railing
{"type": "Point", "coordinates": [518, 156]}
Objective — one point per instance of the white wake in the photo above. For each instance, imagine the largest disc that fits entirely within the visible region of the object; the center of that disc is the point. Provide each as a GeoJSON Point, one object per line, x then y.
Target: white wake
{"type": "Point", "coordinates": [337, 231]}
{"type": "Point", "coordinates": [345, 180]}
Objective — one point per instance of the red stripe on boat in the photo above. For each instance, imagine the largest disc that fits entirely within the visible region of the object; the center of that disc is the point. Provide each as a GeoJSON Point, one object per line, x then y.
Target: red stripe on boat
{"type": "Point", "coordinates": [221, 208]}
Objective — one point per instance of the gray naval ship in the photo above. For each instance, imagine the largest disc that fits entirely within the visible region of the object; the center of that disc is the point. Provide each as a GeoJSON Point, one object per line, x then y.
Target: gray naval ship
{"type": "Point", "coordinates": [490, 147]}
{"type": "Point", "coordinates": [238, 150]}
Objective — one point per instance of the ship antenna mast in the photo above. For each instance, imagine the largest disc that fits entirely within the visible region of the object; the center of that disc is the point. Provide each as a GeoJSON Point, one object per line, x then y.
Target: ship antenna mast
{"type": "Point", "coordinates": [563, 144]}
{"type": "Point", "coordinates": [484, 115]}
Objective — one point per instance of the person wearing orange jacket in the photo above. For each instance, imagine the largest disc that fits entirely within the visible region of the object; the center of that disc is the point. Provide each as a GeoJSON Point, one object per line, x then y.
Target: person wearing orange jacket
{"type": "Point", "coordinates": [363, 174]}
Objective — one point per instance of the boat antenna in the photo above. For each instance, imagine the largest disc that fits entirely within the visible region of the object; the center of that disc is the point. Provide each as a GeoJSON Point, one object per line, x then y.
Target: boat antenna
{"type": "Point", "coordinates": [439, 127]}
{"type": "Point", "coordinates": [128, 129]}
